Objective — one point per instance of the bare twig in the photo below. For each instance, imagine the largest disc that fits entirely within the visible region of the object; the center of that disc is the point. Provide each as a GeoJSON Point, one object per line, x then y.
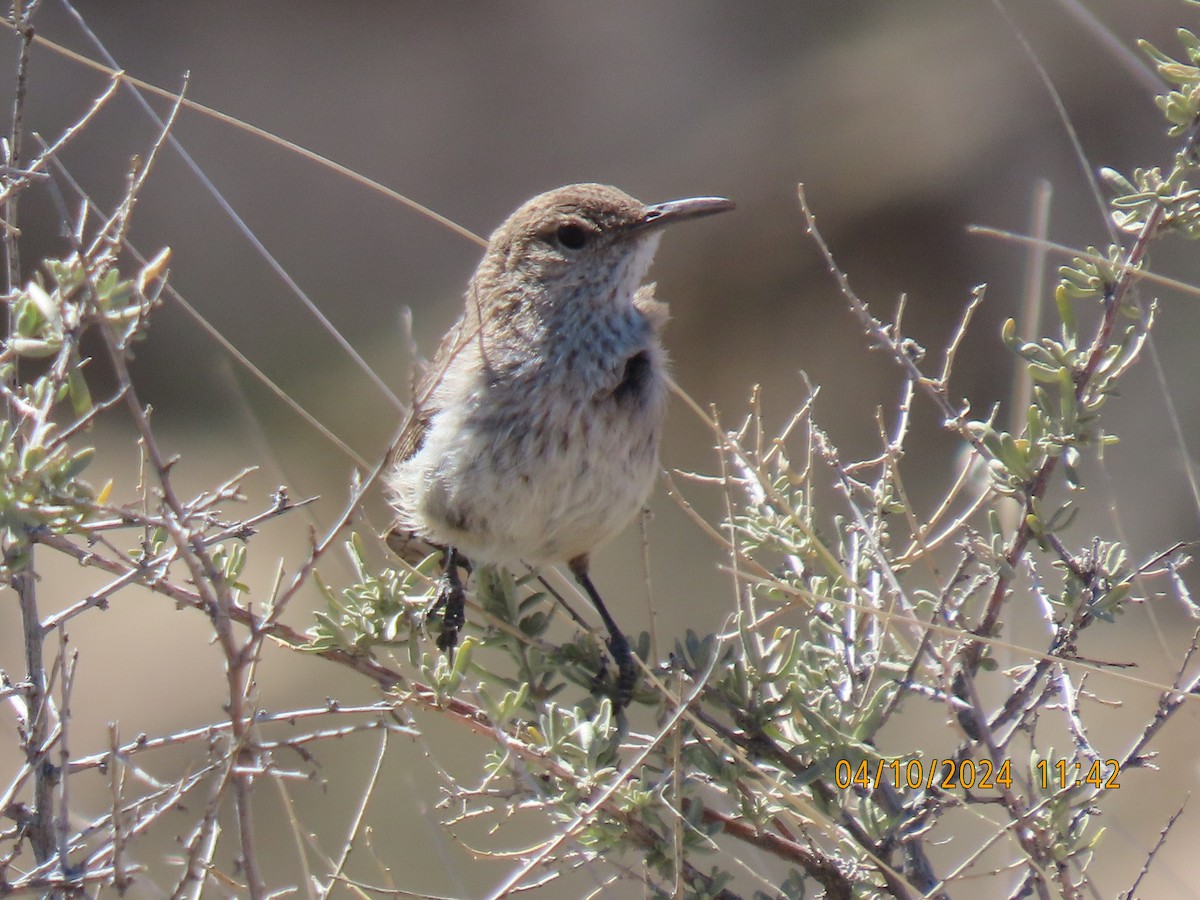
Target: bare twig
{"type": "Point", "coordinates": [1158, 845]}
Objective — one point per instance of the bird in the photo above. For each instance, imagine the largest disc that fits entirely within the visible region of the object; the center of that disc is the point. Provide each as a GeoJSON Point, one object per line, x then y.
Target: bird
{"type": "Point", "coordinates": [534, 432]}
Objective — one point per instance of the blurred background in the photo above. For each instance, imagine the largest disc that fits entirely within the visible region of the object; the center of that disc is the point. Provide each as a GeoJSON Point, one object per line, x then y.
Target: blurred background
{"type": "Point", "coordinates": [906, 122]}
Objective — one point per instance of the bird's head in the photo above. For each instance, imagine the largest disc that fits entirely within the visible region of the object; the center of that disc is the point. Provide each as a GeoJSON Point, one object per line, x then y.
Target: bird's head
{"type": "Point", "coordinates": [580, 243]}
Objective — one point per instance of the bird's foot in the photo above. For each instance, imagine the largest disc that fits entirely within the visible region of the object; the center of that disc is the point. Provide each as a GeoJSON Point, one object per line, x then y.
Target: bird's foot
{"type": "Point", "coordinates": [451, 599]}
{"type": "Point", "coordinates": [620, 689]}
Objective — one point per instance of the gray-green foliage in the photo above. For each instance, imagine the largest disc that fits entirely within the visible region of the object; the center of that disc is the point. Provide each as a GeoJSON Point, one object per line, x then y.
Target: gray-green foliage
{"type": "Point", "coordinates": [40, 468]}
{"type": "Point", "coordinates": [840, 628]}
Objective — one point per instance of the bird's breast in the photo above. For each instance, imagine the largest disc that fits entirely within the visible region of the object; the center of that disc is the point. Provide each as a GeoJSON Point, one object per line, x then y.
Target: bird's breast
{"type": "Point", "coordinates": [549, 453]}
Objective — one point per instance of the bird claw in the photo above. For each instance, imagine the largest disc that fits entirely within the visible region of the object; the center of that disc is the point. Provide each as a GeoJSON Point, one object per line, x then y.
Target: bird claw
{"type": "Point", "coordinates": [620, 689]}
{"type": "Point", "coordinates": [450, 597]}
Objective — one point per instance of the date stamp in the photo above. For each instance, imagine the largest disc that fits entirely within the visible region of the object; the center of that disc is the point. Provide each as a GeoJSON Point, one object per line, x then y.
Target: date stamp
{"type": "Point", "coordinates": [968, 774]}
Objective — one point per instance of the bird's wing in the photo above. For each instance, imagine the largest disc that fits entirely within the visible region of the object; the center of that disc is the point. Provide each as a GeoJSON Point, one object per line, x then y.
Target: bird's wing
{"type": "Point", "coordinates": [424, 400]}
{"type": "Point", "coordinates": [406, 543]}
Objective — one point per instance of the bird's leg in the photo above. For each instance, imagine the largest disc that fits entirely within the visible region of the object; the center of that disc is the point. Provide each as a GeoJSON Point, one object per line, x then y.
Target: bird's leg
{"type": "Point", "coordinates": [618, 644]}
{"type": "Point", "coordinates": [450, 595]}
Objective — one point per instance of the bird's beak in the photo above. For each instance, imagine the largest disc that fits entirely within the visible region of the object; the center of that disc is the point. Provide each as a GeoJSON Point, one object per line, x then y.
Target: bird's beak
{"type": "Point", "coordinates": [677, 210]}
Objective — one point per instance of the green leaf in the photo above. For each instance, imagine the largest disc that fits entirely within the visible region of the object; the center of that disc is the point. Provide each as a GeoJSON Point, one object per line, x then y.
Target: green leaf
{"type": "Point", "coordinates": [34, 349]}
{"type": "Point", "coordinates": [46, 305]}
{"type": "Point", "coordinates": [77, 464]}
{"type": "Point", "coordinates": [77, 389]}
{"type": "Point", "coordinates": [1066, 314]}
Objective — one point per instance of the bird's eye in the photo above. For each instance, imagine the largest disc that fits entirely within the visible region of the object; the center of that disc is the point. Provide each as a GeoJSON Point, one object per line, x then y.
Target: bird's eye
{"type": "Point", "coordinates": [571, 237]}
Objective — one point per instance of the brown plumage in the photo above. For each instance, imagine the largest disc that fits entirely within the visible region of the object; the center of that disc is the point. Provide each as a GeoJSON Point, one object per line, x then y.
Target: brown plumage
{"type": "Point", "coordinates": [534, 431]}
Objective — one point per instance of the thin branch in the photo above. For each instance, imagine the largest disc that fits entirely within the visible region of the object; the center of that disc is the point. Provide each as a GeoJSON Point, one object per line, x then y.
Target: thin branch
{"type": "Point", "coordinates": [1158, 845]}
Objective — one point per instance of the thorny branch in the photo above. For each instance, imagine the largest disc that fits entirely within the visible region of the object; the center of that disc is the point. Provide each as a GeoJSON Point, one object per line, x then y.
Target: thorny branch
{"type": "Point", "coordinates": [1029, 695]}
{"type": "Point", "coordinates": [40, 822]}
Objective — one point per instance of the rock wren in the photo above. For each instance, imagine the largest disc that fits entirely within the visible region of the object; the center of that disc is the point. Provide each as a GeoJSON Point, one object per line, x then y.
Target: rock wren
{"type": "Point", "coordinates": [534, 432]}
